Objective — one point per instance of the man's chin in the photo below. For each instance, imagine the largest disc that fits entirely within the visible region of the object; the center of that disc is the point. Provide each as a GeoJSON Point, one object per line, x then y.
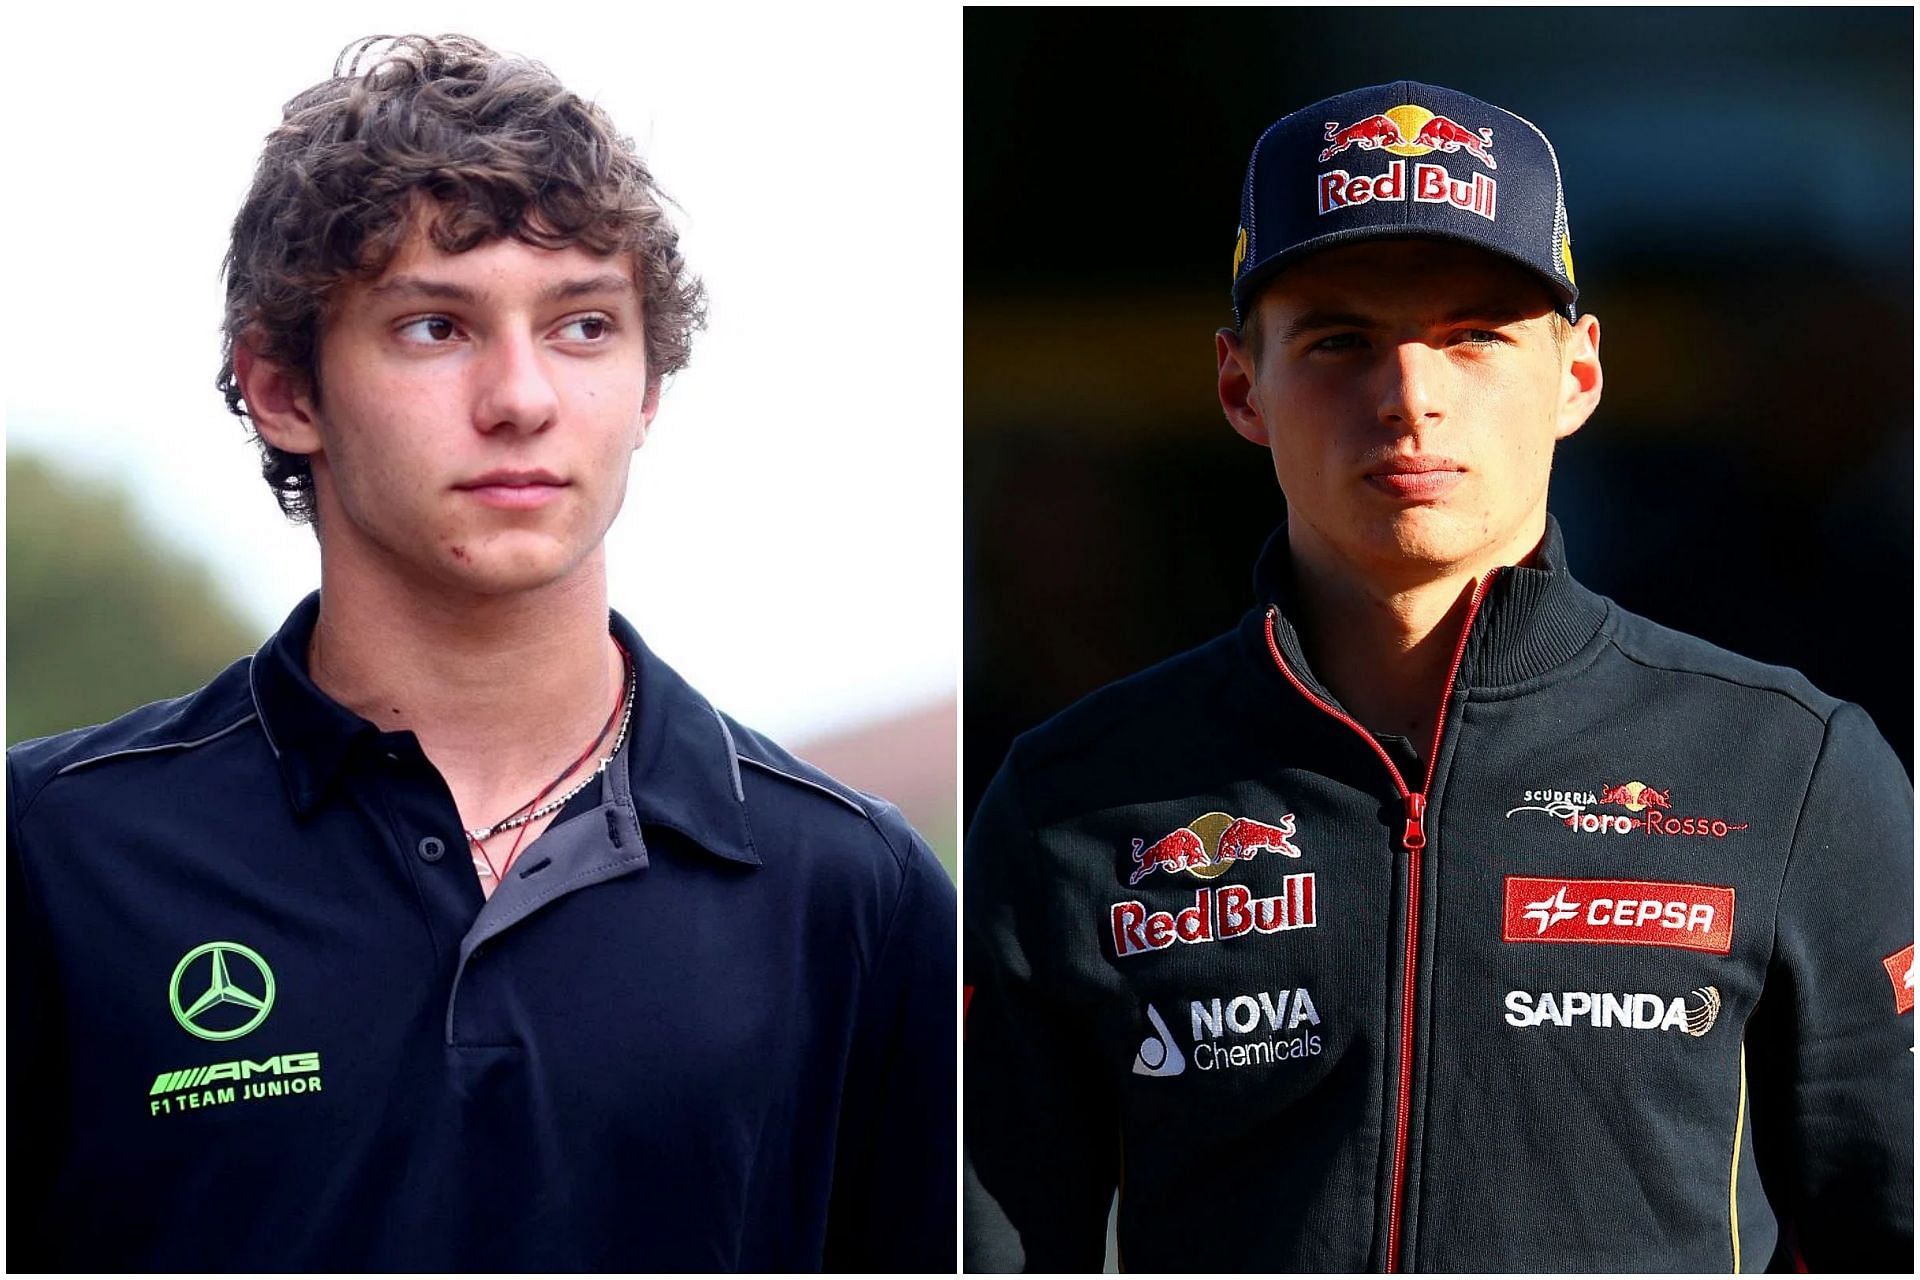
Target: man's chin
{"type": "Point", "coordinates": [1424, 537]}
{"type": "Point", "coordinates": [493, 570]}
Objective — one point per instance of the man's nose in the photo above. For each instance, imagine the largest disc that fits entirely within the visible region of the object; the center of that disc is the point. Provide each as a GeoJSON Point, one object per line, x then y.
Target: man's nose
{"type": "Point", "coordinates": [516, 391]}
{"type": "Point", "coordinates": [1413, 386]}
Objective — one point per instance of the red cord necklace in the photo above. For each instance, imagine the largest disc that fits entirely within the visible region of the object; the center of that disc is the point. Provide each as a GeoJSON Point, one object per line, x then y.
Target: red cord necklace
{"type": "Point", "coordinates": [526, 814]}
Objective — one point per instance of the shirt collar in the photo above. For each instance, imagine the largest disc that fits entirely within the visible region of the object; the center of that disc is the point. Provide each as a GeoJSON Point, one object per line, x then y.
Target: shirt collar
{"type": "Point", "coordinates": [681, 762]}
{"type": "Point", "coordinates": [1534, 618]}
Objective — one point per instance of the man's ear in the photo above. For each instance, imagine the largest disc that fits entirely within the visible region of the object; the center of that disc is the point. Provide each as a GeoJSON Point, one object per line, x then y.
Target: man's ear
{"type": "Point", "coordinates": [1580, 380]}
{"type": "Point", "coordinates": [1236, 387]}
{"type": "Point", "coordinates": [648, 407]}
{"type": "Point", "coordinates": [280, 403]}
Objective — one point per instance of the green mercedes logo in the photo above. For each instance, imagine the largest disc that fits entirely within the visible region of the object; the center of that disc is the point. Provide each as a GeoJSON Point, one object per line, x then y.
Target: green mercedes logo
{"type": "Point", "coordinates": [231, 1004]}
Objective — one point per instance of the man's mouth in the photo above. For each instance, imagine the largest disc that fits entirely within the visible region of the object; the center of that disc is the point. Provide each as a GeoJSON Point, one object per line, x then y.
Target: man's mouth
{"type": "Point", "coordinates": [1418, 479]}
{"type": "Point", "coordinates": [514, 490]}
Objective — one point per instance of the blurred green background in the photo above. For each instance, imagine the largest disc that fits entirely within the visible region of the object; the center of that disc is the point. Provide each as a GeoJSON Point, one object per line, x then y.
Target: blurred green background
{"type": "Point", "coordinates": [102, 615]}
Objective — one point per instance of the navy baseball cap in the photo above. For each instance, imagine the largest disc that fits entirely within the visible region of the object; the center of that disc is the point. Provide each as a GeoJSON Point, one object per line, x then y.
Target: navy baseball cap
{"type": "Point", "coordinates": [1397, 160]}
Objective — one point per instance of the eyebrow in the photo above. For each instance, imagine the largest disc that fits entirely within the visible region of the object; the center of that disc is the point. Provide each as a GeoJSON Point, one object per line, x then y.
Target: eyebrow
{"type": "Point", "coordinates": [1494, 313]}
{"type": "Point", "coordinates": [447, 290]}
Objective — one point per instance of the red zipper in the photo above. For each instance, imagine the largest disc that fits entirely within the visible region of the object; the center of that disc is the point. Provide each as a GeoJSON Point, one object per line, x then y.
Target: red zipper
{"type": "Point", "coordinates": [1413, 839]}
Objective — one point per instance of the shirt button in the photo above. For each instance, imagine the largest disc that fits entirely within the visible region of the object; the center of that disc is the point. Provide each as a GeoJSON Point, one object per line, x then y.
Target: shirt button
{"type": "Point", "coordinates": [431, 849]}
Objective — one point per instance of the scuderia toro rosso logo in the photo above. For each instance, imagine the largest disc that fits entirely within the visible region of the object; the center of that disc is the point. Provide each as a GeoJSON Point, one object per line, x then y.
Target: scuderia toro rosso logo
{"type": "Point", "coordinates": [1207, 848]}
{"type": "Point", "coordinates": [1411, 131]}
{"type": "Point", "coordinates": [1645, 812]}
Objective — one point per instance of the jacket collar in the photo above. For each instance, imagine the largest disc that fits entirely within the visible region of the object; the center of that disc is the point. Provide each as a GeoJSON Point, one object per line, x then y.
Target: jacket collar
{"type": "Point", "coordinates": [1534, 618]}
{"type": "Point", "coordinates": [680, 758]}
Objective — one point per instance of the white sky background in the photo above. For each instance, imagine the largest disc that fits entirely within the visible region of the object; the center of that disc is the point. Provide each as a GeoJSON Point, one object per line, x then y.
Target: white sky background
{"type": "Point", "coordinates": [791, 538]}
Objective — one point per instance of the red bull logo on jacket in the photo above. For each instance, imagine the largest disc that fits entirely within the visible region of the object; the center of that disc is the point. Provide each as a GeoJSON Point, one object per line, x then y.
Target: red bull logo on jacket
{"type": "Point", "coordinates": [1408, 130]}
{"type": "Point", "coordinates": [1210, 844]}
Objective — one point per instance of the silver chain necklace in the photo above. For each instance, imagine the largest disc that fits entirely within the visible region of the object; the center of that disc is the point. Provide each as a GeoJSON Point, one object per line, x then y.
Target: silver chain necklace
{"type": "Point", "coordinates": [508, 824]}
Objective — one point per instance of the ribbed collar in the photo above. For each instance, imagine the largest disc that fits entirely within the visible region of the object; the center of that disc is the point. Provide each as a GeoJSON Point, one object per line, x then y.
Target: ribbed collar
{"type": "Point", "coordinates": [680, 757]}
{"type": "Point", "coordinates": [1534, 617]}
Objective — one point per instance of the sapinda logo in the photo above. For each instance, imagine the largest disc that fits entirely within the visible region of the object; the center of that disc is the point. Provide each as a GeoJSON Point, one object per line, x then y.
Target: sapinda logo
{"type": "Point", "coordinates": [1694, 1014]}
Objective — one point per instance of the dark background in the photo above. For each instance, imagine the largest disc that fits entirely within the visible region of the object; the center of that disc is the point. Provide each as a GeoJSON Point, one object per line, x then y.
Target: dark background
{"type": "Point", "coordinates": [1739, 186]}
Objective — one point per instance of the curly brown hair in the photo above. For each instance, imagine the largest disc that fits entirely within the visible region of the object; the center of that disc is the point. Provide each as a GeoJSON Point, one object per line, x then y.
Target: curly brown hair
{"type": "Point", "coordinates": [487, 146]}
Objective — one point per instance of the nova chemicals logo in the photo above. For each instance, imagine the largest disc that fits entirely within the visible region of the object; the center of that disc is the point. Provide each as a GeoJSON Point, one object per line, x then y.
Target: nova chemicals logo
{"type": "Point", "coordinates": [1159, 1055]}
{"type": "Point", "coordinates": [221, 990]}
{"type": "Point", "coordinates": [1255, 1030]}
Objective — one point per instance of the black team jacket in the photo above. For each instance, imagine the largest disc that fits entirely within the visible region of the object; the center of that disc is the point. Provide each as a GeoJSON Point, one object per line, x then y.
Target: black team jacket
{"type": "Point", "coordinates": [1617, 977]}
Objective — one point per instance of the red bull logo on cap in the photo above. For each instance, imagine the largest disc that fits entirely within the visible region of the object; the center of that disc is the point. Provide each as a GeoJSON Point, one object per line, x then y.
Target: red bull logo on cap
{"type": "Point", "coordinates": [1408, 130]}
{"type": "Point", "coordinates": [1211, 843]}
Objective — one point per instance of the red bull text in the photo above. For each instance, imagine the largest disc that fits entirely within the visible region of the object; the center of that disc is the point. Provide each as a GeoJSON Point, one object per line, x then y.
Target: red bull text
{"type": "Point", "coordinates": [1230, 911]}
{"type": "Point", "coordinates": [1431, 184]}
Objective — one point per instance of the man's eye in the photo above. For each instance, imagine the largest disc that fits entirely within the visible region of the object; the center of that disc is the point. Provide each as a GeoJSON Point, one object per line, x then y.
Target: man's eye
{"type": "Point", "coordinates": [1481, 337]}
{"type": "Point", "coordinates": [428, 330]}
{"type": "Point", "coordinates": [586, 328]}
{"type": "Point", "coordinates": [1338, 342]}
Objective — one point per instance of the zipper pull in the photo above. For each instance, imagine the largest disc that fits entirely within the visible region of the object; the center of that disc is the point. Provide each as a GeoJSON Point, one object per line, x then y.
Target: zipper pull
{"type": "Point", "coordinates": [1415, 836]}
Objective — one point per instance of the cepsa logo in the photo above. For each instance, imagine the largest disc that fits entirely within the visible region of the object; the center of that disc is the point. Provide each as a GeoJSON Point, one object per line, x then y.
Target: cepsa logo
{"type": "Point", "coordinates": [1651, 913]}
{"type": "Point", "coordinates": [1408, 130]}
{"type": "Point", "coordinates": [1637, 1011]}
{"type": "Point", "coordinates": [1642, 803]}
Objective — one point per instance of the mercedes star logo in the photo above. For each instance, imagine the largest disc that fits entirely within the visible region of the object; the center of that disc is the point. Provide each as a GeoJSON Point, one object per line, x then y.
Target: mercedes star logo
{"type": "Point", "coordinates": [232, 1003]}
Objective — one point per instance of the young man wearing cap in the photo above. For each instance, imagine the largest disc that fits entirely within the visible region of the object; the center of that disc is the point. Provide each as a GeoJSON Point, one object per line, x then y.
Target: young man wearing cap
{"type": "Point", "coordinates": [1442, 916]}
{"type": "Point", "coordinates": [453, 931]}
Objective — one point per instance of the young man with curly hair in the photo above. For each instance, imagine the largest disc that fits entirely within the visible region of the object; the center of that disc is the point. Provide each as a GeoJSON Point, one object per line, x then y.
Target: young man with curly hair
{"type": "Point", "coordinates": [453, 930]}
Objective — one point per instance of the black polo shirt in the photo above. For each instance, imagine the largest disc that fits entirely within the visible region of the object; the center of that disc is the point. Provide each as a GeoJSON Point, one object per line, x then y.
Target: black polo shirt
{"type": "Point", "coordinates": [260, 1015]}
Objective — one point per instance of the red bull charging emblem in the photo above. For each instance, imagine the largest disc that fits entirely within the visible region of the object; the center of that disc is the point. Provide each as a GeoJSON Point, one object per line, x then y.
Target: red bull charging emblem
{"type": "Point", "coordinates": [1408, 130]}
{"type": "Point", "coordinates": [1210, 844]}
